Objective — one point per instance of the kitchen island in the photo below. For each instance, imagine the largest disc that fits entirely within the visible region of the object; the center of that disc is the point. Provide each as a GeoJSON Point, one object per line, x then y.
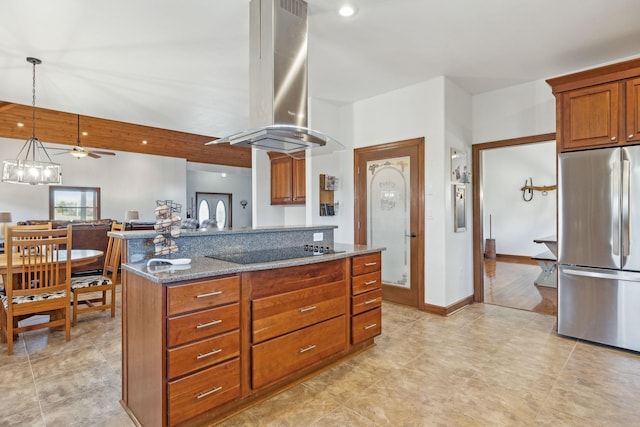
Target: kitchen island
{"type": "Point", "coordinates": [208, 339]}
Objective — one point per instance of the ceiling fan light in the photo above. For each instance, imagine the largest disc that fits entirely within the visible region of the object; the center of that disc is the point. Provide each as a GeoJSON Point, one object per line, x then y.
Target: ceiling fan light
{"type": "Point", "coordinates": [78, 154]}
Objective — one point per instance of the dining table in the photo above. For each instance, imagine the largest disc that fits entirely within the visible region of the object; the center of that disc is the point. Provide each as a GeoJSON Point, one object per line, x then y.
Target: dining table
{"type": "Point", "coordinates": [79, 257]}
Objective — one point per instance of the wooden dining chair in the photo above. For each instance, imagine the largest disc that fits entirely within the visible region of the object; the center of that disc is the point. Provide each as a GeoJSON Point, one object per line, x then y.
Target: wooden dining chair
{"type": "Point", "coordinates": [99, 283]}
{"type": "Point", "coordinates": [43, 226]}
{"type": "Point", "coordinates": [38, 281]}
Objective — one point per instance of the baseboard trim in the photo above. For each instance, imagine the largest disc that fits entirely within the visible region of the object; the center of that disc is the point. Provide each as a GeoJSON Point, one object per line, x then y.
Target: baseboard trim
{"type": "Point", "coordinates": [518, 259]}
{"type": "Point", "coordinates": [448, 310]}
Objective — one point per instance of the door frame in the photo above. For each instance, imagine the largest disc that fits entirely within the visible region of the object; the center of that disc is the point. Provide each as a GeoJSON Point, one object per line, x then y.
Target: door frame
{"type": "Point", "coordinates": [478, 229]}
{"type": "Point", "coordinates": [417, 205]}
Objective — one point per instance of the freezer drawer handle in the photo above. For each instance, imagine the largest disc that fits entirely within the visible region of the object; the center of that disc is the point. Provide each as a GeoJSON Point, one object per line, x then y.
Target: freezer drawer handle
{"type": "Point", "coordinates": [619, 276]}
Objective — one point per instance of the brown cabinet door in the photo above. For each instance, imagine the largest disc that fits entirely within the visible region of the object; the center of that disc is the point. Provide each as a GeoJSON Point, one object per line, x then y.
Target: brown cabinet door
{"type": "Point", "coordinates": [633, 111]}
{"type": "Point", "coordinates": [590, 116]}
{"type": "Point", "coordinates": [287, 354]}
{"type": "Point", "coordinates": [281, 180]}
{"type": "Point", "coordinates": [299, 182]}
{"type": "Point", "coordinates": [287, 180]}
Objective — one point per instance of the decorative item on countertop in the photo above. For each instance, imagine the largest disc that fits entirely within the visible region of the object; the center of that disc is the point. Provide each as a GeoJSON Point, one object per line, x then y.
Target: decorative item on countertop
{"type": "Point", "coordinates": [168, 227]}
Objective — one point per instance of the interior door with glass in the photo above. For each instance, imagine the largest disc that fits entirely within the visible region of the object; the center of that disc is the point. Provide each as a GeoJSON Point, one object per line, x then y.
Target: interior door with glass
{"type": "Point", "coordinates": [389, 204]}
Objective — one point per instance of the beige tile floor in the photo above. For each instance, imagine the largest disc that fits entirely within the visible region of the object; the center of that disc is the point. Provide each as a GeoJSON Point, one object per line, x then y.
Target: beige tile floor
{"type": "Point", "coordinates": [485, 365]}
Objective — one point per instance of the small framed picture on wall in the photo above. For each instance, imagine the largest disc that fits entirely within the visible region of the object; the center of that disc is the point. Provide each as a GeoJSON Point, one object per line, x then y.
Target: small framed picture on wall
{"type": "Point", "coordinates": [459, 169]}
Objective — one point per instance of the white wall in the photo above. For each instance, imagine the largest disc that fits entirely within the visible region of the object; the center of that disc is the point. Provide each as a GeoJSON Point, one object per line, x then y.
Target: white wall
{"type": "Point", "coordinates": [328, 119]}
{"type": "Point", "coordinates": [419, 111]}
{"type": "Point", "coordinates": [522, 110]}
{"type": "Point", "coordinates": [128, 181]}
{"type": "Point", "coordinates": [515, 223]}
{"type": "Point", "coordinates": [459, 274]}
{"type": "Point", "coordinates": [202, 177]}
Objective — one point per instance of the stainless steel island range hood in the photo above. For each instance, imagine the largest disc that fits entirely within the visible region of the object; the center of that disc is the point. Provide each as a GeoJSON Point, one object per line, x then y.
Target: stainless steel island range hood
{"type": "Point", "coordinates": [278, 82]}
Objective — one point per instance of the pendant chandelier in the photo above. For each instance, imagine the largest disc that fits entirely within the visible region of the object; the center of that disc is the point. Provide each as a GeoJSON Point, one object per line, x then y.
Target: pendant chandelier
{"type": "Point", "coordinates": [33, 164]}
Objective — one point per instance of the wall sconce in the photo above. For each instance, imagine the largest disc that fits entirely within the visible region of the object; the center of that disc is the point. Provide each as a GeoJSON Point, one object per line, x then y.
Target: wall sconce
{"type": "Point", "coordinates": [243, 203]}
{"type": "Point", "coordinates": [131, 216]}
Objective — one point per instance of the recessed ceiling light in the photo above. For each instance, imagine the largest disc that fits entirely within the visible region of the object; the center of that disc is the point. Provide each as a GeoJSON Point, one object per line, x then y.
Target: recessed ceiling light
{"type": "Point", "coordinates": [346, 10]}
{"type": "Point", "coordinates": [144, 142]}
{"type": "Point", "coordinates": [85, 133]}
{"type": "Point", "coordinates": [20, 124]}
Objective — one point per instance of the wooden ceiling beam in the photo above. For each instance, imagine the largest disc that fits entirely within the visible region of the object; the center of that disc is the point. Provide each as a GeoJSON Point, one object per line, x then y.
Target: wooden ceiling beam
{"type": "Point", "coordinates": [4, 106]}
{"type": "Point", "coordinates": [56, 127]}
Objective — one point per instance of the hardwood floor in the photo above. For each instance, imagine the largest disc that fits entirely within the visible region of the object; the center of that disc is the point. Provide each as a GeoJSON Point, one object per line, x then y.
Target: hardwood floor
{"type": "Point", "coordinates": [510, 284]}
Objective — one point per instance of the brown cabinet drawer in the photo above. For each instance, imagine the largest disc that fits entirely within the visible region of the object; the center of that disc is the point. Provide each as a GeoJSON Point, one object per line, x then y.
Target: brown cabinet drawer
{"type": "Point", "coordinates": [205, 390]}
{"type": "Point", "coordinates": [366, 325]}
{"type": "Point", "coordinates": [366, 263]}
{"type": "Point", "coordinates": [366, 282]}
{"type": "Point", "coordinates": [279, 314]}
{"type": "Point", "coordinates": [202, 324]}
{"type": "Point", "coordinates": [279, 357]}
{"type": "Point", "coordinates": [367, 301]}
{"type": "Point", "coordinates": [199, 295]}
{"type": "Point", "coordinates": [200, 354]}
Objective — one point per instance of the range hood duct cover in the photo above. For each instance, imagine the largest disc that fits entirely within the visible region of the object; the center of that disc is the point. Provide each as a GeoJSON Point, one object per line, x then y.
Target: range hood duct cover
{"type": "Point", "coordinates": [278, 81]}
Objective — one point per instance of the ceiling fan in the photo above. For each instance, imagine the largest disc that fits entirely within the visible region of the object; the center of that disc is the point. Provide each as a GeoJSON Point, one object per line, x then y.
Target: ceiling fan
{"type": "Point", "coordinates": [79, 151]}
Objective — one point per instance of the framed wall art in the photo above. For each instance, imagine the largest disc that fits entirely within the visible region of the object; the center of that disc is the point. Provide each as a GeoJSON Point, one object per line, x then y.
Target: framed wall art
{"type": "Point", "coordinates": [459, 169]}
{"type": "Point", "coordinates": [459, 208]}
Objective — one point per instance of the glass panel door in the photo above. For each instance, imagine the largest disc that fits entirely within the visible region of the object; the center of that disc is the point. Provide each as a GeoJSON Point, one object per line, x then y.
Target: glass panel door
{"type": "Point", "coordinates": [389, 214]}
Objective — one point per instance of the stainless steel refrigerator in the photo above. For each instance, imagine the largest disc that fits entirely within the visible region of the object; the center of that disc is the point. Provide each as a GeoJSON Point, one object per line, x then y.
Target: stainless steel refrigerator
{"type": "Point", "coordinates": [599, 246]}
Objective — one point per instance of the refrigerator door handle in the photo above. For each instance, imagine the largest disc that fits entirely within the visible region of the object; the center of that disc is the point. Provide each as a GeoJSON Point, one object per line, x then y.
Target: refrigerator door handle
{"type": "Point", "coordinates": [626, 176]}
{"type": "Point", "coordinates": [615, 208]}
{"type": "Point", "coordinates": [621, 275]}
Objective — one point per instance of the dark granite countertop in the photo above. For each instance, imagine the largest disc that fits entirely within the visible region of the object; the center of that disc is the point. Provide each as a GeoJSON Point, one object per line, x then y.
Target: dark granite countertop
{"type": "Point", "coordinates": [202, 267]}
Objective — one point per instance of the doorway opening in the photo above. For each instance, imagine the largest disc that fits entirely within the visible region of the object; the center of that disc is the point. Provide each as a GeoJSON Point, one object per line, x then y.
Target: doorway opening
{"type": "Point", "coordinates": [389, 212]}
{"type": "Point", "coordinates": [511, 277]}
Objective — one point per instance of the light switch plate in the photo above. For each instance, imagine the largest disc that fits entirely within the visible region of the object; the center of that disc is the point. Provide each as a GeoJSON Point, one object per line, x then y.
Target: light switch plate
{"type": "Point", "coordinates": [317, 237]}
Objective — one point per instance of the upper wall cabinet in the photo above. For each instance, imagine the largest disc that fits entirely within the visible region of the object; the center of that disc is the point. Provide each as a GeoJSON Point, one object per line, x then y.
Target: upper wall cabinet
{"type": "Point", "coordinates": [599, 107]}
{"type": "Point", "coordinates": [633, 109]}
{"type": "Point", "coordinates": [287, 180]}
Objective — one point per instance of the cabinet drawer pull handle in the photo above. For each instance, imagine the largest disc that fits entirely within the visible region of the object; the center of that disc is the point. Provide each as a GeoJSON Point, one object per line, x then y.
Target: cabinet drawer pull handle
{"type": "Point", "coordinates": [305, 309]}
{"type": "Point", "coordinates": [370, 282]}
{"type": "Point", "coordinates": [370, 264]}
{"type": "Point", "coordinates": [207, 393]}
{"type": "Point", "coordinates": [204, 325]}
{"type": "Point", "coordinates": [613, 138]}
{"type": "Point", "coordinates": [630, 136]}
{"type": "Point", "coordinates": [373, 325]}
{"type": "Point", "coordinates": [371, 301]}
{"type": "Point", "coordinates": [211, 353]}
{"type": "Point", "coordinates": [307, 348]}
{"type": "Point", "coordinates": [210, 294]}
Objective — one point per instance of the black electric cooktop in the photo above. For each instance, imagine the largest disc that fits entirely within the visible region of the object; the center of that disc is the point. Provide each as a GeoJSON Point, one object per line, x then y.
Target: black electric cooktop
{"type": "Point", "coordinates": [270, 255]}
